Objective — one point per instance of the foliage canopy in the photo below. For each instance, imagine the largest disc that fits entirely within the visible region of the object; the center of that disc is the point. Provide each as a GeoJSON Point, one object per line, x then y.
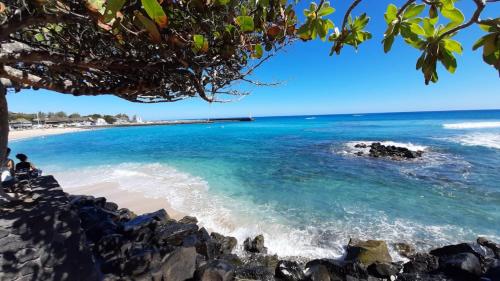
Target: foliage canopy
{"type": "Point", "coordinates": [167, 50]}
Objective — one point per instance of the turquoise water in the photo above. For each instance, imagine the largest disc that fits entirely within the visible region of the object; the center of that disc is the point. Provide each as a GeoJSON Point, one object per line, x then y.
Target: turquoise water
{"type": "Point", "coordinates": [296, 180]}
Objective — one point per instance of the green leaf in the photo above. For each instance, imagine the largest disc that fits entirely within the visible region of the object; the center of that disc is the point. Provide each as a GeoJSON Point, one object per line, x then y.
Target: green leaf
{"type": "Point", "coordinates": [428, 27]}
{"type": "Point", "coordinates": [245, 23]}
{"type": "Point", "coordinates": [454, 15]}
{"type": "Point", "coordinates": [413, 10]}
{"type": "Point", "coordinates": [150, 26]}
{"type": "Point", "coordinates": [325, 10]}
{"type": "Point", "coordinates": [39, 37]}
{"type": "Point", "coordinates": [200, 43]}
{"type": "Point", "coordinates": [258, 51]}
{"type": "Point", "coordinates": [224, 2]}
{"type": "Point", "coordinates": [112, 7]}
{"type": "Point", "coordinates": [448, 61]}
{"type": "Point", "coordinates": [448, 4]}
{"type": "Point", "coordinates": [388, 41]}
{"type": "Point", "coordinates": [390, 13]}
{"type": "Point", "coordinates": [155, 11]}
{"type": "Point", "coordinates": [420, 61]}
{"type": "Point", "coordinates": [489, 46]}
{"type": "Point", "coordinates": [453, 46]}
{"type": "Point", "coordinates": [417, 29]}
{"type": "Point", "coordinates": [481, 41]}
{"type": "Point", "coordinates": [486, 28]}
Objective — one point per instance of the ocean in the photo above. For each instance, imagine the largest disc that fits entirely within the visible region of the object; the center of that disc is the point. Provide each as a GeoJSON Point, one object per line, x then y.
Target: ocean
{"type": "Point", "coordinates": [296, 179]}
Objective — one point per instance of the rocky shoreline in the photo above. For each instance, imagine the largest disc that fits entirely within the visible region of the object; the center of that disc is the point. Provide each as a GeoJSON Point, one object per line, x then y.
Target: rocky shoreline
{"type": "Point", "coordinates": [393, 152]}
{"type": "Point", "coordinates": [67, 237]}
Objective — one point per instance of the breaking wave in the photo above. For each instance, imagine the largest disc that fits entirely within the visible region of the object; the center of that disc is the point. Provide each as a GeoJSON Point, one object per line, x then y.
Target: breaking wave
{"type": "Point", "coordinates": [471, 125]}
{"type": "Point", "coordinates": [490, 140]}
{"type": "Point", "coordinates": [237, 217]}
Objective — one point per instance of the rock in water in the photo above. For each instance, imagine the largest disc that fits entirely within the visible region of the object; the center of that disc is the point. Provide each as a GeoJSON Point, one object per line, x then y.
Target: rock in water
{"type": "Point", "coordinates": [368, 252]}
{"type": "Point", "coordinates": [256, 245]}
{"type": "Point", "coordinates": [397, 153]}
{"type": "Point", "coordinates": [404, 249]}
{"type": "Point", "coordinates": [289, 271]}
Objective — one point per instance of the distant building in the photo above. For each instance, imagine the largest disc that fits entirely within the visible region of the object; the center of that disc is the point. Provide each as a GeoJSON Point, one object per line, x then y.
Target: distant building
{"type": "Point", "coordinates": [20, 123]}
{"type": "Point", "coordinates": [137, 119]}
{"type": "Point", "coordinates": [122, 120]}
{"type": "Point", "coordinates": [101, 122]}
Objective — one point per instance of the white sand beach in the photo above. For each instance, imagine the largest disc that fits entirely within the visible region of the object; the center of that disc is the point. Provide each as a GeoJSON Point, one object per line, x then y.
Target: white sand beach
{"type": "Point", "coordinates": [134, 201]}
{"type": "Point", "coordinates": [26, 134]}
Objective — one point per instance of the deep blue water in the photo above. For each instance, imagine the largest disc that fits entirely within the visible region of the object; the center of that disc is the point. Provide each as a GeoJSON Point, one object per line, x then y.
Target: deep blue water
{"type": "Point", "coordinates": [296, 180]}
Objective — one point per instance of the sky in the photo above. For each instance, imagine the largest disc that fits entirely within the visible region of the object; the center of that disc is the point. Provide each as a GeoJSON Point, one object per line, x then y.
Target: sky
{"type": "Point", "coordinates": [314, 83]}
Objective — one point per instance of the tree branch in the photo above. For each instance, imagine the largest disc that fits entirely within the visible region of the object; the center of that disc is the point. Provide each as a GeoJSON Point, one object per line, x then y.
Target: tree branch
{"type": "Point", "coordinates": [474, 19]}
{"type": "Point", "coordinates": [348, 12]}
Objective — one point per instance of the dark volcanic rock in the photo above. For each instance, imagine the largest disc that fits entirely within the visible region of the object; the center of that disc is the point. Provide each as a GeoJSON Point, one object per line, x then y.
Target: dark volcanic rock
{"type": "Point", "coordinates": [188, 220]}
{"type": "Point", "coordinates": [384, 270]}
{"type": "Point", "coordinates": [479, 251]}
{"type": "Point", "coordinates": [368, 252]}
{"type": "Point", "coordinates": [260, 273]}
{"type": "Point", "coordinates": [397, 153]}
{"type": "Point", "coordinates": [223, 244]}
{"type": "Point", "coordinates": [463, 266]}
{"type": "Point", "coordinates": [256, 245]}
{"type": "Point", "coordinates": [146, 220]}
{"type": "Point", "coordinates": [490, 244]}
{"type": "Point", "coordinates": [216, 270]}
{"type": "Point", "coordinates": [174, 233]}
{"type": "Point", "coordinates": [178, 265]}
{"type": "Point", "coordinates": [289, 271]}
{"type": "Point", "coordinates": [493, 271]}
{"type": "Point", "coordinates": [404, 249]}
{"type": "Point", "coordinates": [421, 262]}
{"type": "Point", "coordinates": [337, 270]}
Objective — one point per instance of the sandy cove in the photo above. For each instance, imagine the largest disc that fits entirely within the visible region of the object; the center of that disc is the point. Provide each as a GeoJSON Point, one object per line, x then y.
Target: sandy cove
{"type": "Point", "coordinates": [27, 134]}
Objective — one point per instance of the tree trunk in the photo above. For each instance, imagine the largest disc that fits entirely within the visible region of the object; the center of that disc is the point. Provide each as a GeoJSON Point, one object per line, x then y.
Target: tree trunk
{"type": "Point", "coordinates": [4, 123]}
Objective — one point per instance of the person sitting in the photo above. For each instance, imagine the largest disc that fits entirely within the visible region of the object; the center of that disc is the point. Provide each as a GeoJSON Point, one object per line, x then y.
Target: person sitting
{"type": "Point", "coordinates": [25, 167]}
{"type": "Point", "coordinates": [7, 178]}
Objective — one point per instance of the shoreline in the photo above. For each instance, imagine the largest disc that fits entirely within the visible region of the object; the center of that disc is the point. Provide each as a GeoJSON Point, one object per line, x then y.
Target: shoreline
{"type": "Point", "coordinates": [34, 133]}
{"type": "Point", "coordinates": [136, 201]}
{"type": "Point", "coordinates": [110, 241]}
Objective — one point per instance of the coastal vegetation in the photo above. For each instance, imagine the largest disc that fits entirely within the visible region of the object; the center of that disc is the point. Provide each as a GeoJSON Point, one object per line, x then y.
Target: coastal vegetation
{"type": "Point", "coordinates": [43, 116]}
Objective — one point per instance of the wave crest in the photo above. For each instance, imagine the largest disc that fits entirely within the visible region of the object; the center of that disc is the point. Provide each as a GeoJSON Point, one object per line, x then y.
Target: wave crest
{"type": "Point", "coordinates": [490, 140]}
{"type": "Point", "coordinates": [471, 125]}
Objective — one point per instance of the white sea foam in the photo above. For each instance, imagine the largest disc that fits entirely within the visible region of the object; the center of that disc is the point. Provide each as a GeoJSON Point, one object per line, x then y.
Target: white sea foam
{"type": "Point", "coordinates": [491, 140]}
{"type": "Point", "coordinates": [239, 218]}
{"type": "Point", "coordinates": [472, 125]}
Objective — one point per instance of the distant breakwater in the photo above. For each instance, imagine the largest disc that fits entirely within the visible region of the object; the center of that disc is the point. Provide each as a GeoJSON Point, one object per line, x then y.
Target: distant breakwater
{"type": "Point", "coordinates": [175, 122]}
{"type": "Point", "coordinates": [59, 236]}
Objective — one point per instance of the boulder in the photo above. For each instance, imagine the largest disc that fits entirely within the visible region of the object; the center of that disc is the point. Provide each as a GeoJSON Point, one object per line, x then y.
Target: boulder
{"type": "Point", "coordinates": [146, 220]}
{"type": "Point", "coordinates": [421, 263]}
{"type": "Point", "coordinates": [368, 252]}
{"type": "Point", "coordinates": [318, 272]}
{"type": "Point", "coordinates": [178, 265]}
{"type": "Point", "coordinates": [338, 270]}
{"type": "Point", "coordinates": [224, 244]}
{"type": "Point", "coordinates": [490, 244]}
{"type": "Point", "coordinates": [111, 206]}
{"type": "Point", "coordinates": [384, 270]}
{"type": "Point", "coordinates": [289, 271]}
{"type": "Point", "coordinates": [188, 220]}
{"type": "Point", "coordinates": [256, 245]}
{"type": "Point", "coordinates": [404, 249]}
{"type": "Point", "coordinates": [463, 265]}
{"type": "Point", "coordinates": [260, 273]}
{"type": "Point", "coordinates": [174, 233]}
{"type": "Point", "coordinates": [268, 261]}
{"type": "Point", "coordinates": [493, 270]}
{"type": "Point", "coordinates": [216, 270]}
{"type": "Point", "coordinates": [477, 249]}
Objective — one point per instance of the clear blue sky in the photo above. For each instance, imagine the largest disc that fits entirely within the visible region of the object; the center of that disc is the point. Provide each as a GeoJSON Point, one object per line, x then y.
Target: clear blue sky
{"type": "Point", "coordinates": [314, 83]}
